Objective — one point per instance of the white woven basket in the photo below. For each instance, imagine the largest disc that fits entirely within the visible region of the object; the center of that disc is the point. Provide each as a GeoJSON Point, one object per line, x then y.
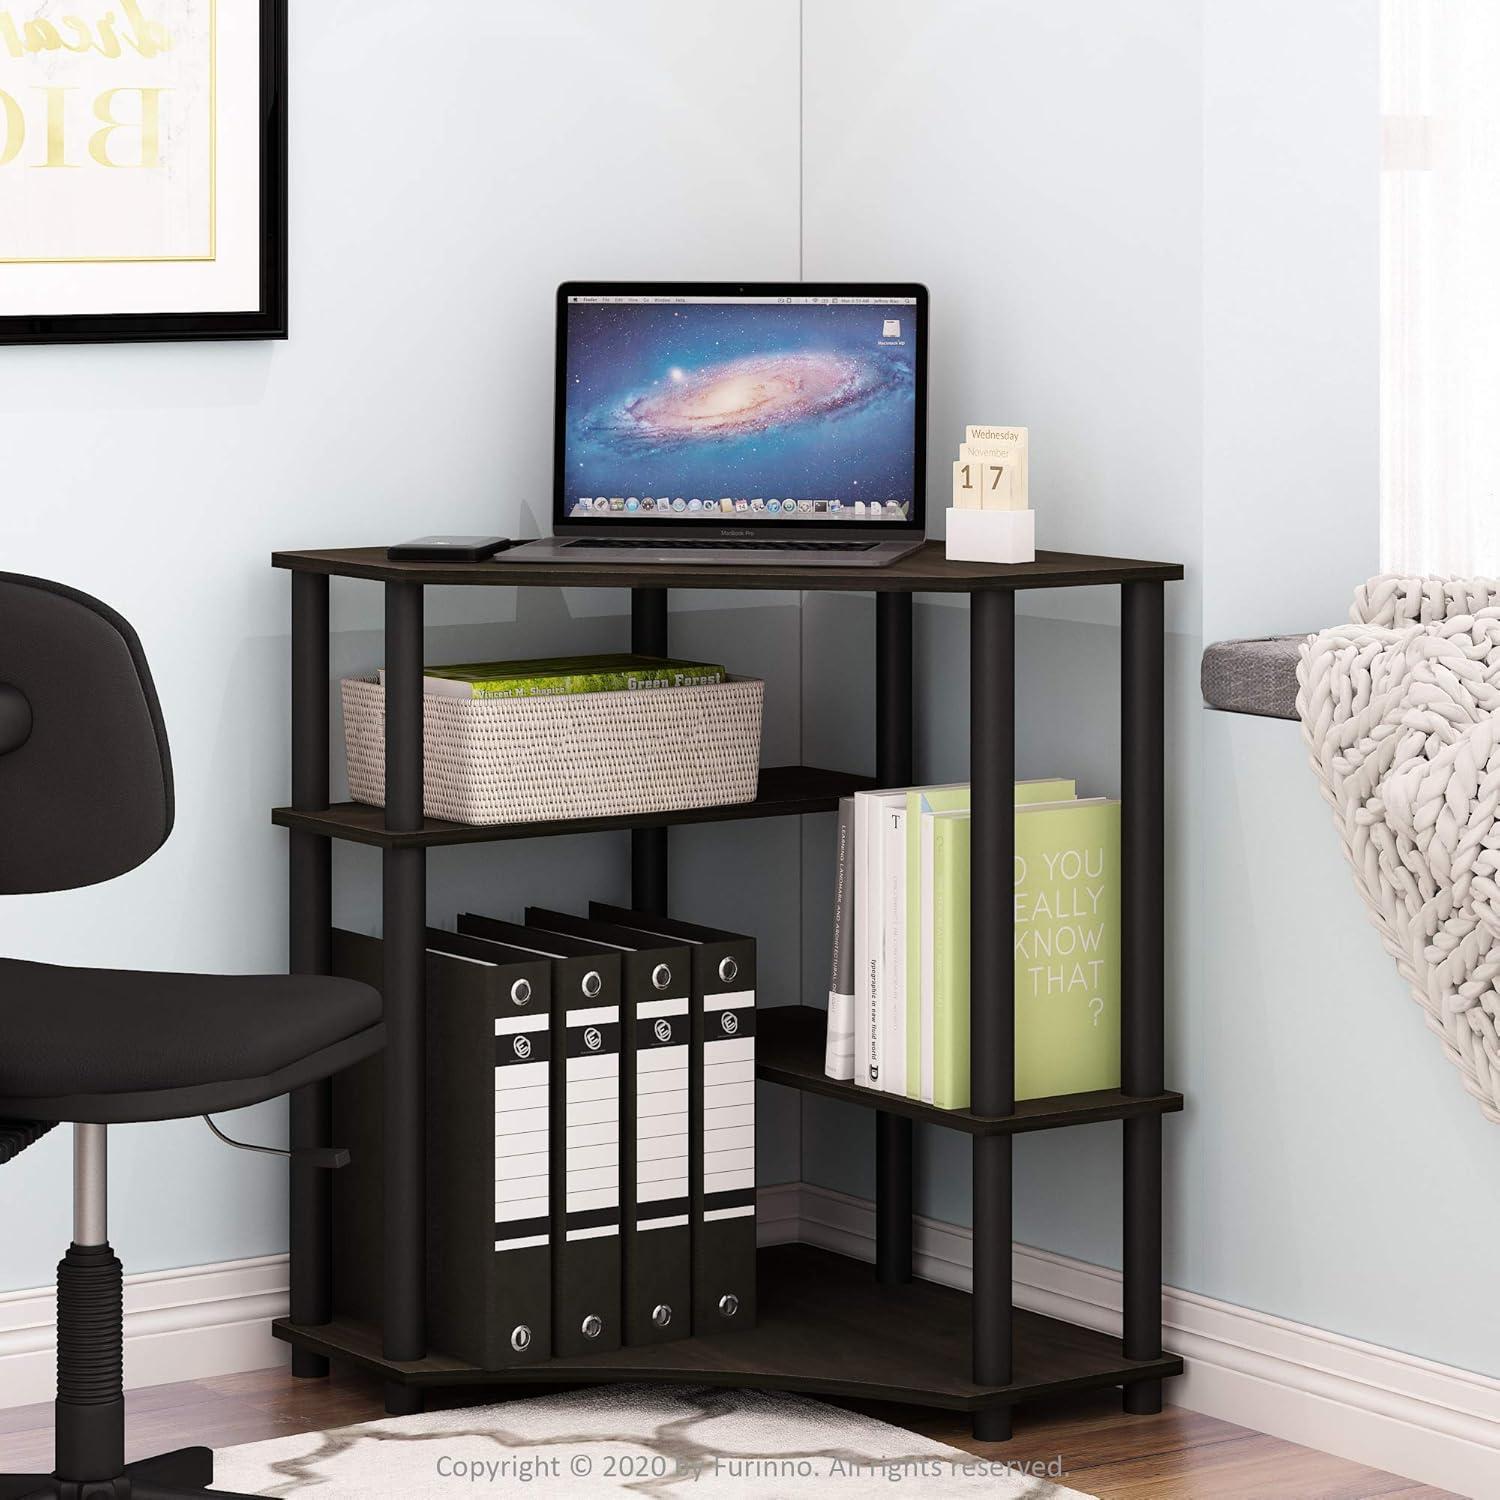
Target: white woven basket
{"type": "Point", "coordinates": [579, 755]}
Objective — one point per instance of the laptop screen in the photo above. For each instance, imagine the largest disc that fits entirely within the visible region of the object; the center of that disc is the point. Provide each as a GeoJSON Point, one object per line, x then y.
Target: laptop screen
{"type": "Point", "coordinates": [740, 408]}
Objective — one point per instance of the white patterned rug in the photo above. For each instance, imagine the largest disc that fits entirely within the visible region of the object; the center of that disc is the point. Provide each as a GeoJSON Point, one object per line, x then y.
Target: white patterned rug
{"type": "Point", "coordinates": [645, 1440]}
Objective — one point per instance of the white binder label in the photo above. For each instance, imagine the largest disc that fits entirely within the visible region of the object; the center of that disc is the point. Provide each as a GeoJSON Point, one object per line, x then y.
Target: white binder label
{"type": "Point", "coordinates": [729, 1105]}
{"type": "Point", "coordinates": [521, 1132]}
{"type": "Point", "coordinates": [592, 1134]}
{"type": "Point", "coordinates": [661, 1107]}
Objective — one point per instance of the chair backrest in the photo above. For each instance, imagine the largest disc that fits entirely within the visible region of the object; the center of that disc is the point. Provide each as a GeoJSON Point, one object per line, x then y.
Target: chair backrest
{"type": "Point", "coordinates": [85, 773]}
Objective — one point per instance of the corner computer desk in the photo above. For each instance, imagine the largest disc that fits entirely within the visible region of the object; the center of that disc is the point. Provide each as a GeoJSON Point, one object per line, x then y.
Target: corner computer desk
{"type": "Point", "coordinates": [827, 1323]}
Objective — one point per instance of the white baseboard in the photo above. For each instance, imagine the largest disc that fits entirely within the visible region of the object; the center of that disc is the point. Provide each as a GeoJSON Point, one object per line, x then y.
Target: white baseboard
{"type": "Point", "coordinates": [207, 1320]}
{"type": "Point", "coordinates": [179, 1325]}
{"type": "Point", "coordinates": [1429, 1422]}
{"type": "Point", "coordinates": [1426, 1421]}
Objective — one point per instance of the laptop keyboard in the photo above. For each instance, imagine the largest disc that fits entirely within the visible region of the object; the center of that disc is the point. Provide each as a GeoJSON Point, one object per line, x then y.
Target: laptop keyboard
{"type": "Point", "coordinates": [642, 544]}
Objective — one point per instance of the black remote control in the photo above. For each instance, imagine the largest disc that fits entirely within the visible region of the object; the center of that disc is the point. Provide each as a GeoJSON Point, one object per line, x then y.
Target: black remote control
{"type": "Point", "coordinates": [448, 548]}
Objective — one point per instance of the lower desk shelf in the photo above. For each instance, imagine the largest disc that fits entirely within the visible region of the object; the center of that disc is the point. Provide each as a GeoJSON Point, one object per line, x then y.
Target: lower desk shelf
{"type": "Point", "coordinates": [825, 1326]}
{"type": "Point", "coordinates": [789, 1049]}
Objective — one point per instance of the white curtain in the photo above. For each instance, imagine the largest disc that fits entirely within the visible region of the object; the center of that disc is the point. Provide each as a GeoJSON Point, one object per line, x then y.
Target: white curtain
{"type": "Point", "coordinates": [1440, 286]}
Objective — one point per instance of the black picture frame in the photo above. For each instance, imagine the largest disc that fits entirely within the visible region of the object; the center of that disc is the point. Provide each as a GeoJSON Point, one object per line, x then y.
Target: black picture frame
{"type": "Point", "coordinates": [269, 320]}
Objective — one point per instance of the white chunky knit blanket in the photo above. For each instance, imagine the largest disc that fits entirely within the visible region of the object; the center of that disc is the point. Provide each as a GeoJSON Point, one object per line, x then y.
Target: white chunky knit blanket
{"type": "Point", "coordinates": [1401, 711]}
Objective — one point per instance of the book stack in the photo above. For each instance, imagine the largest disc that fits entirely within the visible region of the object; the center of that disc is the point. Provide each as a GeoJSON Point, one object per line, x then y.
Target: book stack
{"type": "Point", "coordinates": [899, 993]}
{"type": "Point", "coordinates": [552, 676]}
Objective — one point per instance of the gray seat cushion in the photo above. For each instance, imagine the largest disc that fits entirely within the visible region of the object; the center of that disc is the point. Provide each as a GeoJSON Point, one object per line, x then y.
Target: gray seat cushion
{"type": "Point", "coordinates": [1253, 677]}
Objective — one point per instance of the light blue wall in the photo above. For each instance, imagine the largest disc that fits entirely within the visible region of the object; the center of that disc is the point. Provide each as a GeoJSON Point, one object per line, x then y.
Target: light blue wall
{"type": "Point", "coordinates": [547, 139]}
{"type": "Point", "coordinates": [1155, 240]}
{"type": "Point", "coordinates": [1150, 232]}
{"type": "Point", "coordinates": [1056, 214]}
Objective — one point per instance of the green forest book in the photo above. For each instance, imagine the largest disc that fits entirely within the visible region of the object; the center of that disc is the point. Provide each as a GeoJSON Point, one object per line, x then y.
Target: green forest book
{"type": "Point", "coordinates": [929, 799]}
{"type": "Point", "coordinates": [553, 676]}
{"type": "Point", "coordinates": [1067, 950]}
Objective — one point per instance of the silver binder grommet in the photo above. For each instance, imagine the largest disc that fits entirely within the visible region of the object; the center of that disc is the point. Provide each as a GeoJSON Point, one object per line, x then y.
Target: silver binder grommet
{"type": "Point", "coordinates": [520, 1338]}
{"type": "Point", "coordinates": [520, 991]}
{"type": "Point", "coordinates": [661, 976]}
{"type": "Point", "coordinates": [661, 1314]}
{"type": "Point", "coordinates": [728, 969]}
{"type": "Point", "coordinates": [729, 1304]}
{"type": "Point", "coordinates": [593, 1326]}
{"type": "Point", "coordinates": [592, 983]}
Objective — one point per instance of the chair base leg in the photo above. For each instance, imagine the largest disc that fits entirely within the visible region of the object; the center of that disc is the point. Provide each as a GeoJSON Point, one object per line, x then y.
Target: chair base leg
{"type": "Point", "coordinates": [167, 1492]}
{"type": "Point", "coordinates": [45, 1487]}
{"type": "Point", "coordinates": [187, 1468]}
{"type": "Point", "coordinates": [183, 1475]}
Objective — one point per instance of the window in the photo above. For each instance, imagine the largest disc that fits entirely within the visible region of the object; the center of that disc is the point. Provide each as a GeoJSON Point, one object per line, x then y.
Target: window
{"type": "Point", "coordinates": [1440, 286]}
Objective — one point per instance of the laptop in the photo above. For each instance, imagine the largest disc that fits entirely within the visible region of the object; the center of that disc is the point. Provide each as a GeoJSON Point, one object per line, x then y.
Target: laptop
{"type": "Point", "coordinates": [734, 423]}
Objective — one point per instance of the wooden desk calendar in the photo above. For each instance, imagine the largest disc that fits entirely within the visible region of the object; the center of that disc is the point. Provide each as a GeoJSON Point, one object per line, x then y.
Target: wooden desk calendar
{"type": "Point", "coordinates": [827, 1324]}
{"type": "Point", "coordinates": [991, 518]}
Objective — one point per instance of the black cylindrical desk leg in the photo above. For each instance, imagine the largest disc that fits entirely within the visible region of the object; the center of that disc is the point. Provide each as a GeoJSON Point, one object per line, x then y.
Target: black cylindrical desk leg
{"type": "Point", "coordinates": [405, 919]}
{"type": "Point", "coordinates": [992, 1011]}
{"type": "Point", "coordinates": [648, 846]}
{"type": "Point", "coordinates": [648, 870]}
{"type": "Point", "coordinates": [1142, 975]}
{"type": "Point", "coordinates": [309, 924]}
{"type": "Point", "coordinates": [893, 689]}
{"type": "Point", "coordinates": [893, 1198]}
{"type": "Point", "coordinates": [893, 767]}
{"type": "Point", "coordinates": [648, 622]}
{"type": "Point", "coordinates": [1143, 1273]}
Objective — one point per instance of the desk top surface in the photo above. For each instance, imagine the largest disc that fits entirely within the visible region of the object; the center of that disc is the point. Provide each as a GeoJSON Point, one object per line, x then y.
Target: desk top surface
{"type": "Point", "coordinates": [925, 571]}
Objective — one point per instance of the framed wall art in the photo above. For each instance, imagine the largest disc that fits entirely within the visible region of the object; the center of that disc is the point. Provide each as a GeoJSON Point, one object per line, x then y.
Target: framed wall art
{"type": "Point", "coordinates": [143, 170]}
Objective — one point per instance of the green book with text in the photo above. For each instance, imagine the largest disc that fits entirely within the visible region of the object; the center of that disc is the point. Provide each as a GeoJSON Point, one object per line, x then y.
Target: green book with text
{"type": "Point", "coordinates": [1067, 950]}
{"type": "Point", "coordinates": [929, 799]}
{"type": "Point", "coordinates": [949, 878]}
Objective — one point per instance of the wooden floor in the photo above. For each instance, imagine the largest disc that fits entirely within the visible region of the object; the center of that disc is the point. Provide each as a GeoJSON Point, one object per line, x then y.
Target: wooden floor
{"type": "Point", "coordinates": [1178, 1455]}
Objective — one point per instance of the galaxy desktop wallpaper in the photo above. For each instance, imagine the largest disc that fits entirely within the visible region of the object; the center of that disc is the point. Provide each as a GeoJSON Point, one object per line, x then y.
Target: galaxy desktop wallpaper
{"type": "Point", "coordinates": [741, 400]}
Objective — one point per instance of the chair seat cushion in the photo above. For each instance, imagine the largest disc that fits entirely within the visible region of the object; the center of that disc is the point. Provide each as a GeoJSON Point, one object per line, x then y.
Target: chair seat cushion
{"type": "Point", "coordinates": [75, 1032]}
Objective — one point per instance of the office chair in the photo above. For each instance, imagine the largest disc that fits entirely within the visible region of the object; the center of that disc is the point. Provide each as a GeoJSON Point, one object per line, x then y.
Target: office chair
{"type": "Point", "coordinates": [85, 795]}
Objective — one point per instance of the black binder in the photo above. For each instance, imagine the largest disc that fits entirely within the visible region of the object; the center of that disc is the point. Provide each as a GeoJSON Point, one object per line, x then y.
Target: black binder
{"type": "Point", "coordinates": [586, 1113]}
{"type": "Point", "coordinates": [656, 1097]}
{"type": "Point", "coordinates": [723, 1114]}
{"type": "Point", "coordinates": [488, 1222]}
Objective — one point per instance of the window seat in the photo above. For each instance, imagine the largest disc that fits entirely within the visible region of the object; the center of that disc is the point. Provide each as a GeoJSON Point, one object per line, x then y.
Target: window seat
{"type": "Point", "coordinates": [1254, 676]}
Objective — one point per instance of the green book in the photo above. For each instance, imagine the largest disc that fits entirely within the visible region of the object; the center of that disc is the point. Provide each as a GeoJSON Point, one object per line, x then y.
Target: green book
{"type": "Point", "coordinates": [1067, 950]}
{"type": "Point", "coordinates": [551, 676]}
{"type": "Point", "coordinates": [949, 878]}
{"type": "Point", "coordinates": [928, 799]}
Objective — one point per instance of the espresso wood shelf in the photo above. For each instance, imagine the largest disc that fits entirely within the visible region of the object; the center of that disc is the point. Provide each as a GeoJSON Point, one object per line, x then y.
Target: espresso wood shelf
{"type": "Point", "coordinates": [824, 1325]}
{"type": "Point", "coordinates": [926, 570]}
{"type": "Point", "coordinates": [784, 791]}
{"type": "Point", "coordinates": [789, 1046]}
